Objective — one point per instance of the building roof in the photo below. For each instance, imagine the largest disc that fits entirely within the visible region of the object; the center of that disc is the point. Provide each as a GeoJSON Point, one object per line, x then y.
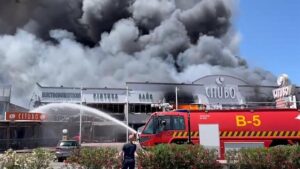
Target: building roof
{"type": "Point", "coordinates": [162, 83]}
{"type": "Point", "coordinates": [78, 88]}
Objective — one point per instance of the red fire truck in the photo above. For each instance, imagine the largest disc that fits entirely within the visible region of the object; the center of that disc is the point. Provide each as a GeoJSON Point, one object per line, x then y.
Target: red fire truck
{"type": "Point", "coordinates": [237, 128]}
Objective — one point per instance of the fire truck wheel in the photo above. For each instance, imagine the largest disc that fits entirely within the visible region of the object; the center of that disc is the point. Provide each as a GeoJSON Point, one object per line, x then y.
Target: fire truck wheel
{"type": "Point", "coordinates": [180, 141]}
{"type": "Point", "coordinates": [279, 142]}
{"type": "Point", "coordinates": [60, 159]}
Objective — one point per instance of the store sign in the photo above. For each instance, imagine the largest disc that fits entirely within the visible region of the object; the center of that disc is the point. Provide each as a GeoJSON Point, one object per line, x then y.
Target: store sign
{"type": "Point", "coordinates": [21, 116]}
{"type": "Point", "coordinates": [282, 92]}
{"type": "Point", "coordinates": [285, 89]}
{"type": "Point", "coordinates": [221, 91]}
{"type": "Point", "coordinates": [284, 95]}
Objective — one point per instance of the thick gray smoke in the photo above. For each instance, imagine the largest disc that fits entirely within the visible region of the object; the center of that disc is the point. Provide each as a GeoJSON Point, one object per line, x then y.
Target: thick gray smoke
{"type": "Point", "coordinates": [101, 43]}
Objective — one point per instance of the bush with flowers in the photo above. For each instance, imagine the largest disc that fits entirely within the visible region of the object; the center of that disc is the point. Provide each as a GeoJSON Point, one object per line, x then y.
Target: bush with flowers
{"type": "Point", "coordinates": [38, 159]}
{"type": "Point", "coordinates": [94, 158]}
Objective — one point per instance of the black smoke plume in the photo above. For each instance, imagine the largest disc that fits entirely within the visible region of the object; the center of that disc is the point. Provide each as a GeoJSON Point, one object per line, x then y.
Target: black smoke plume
{"type": "Point", "coordinates": [108, 42]}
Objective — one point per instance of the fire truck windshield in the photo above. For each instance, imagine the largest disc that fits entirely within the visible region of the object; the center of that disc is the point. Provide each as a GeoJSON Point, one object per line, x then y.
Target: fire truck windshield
{"type": "Point", "coordinates": [149, 129]}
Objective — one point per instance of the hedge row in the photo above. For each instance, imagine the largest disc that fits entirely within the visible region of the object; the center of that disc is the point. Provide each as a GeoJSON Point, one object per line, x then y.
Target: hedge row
{"type": "Point", "coordinates": [174, 156]}
{"type": "Point", "coordinates": [171, 156]}
{"type": "Point", "coordinates": [283, 157]}
{"type": "Point", "coordinates": [161, 156]}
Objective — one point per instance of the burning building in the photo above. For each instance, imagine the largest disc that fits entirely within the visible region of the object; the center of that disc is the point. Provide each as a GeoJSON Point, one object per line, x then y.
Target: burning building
{"type": "Point", "coordinates": [143, 98]}
{"type": "Point", "coordinates": [151, 47]}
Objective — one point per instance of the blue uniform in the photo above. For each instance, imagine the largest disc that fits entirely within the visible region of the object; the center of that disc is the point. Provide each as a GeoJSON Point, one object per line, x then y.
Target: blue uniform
{"type": "Point", "coordinates": [128, 159]}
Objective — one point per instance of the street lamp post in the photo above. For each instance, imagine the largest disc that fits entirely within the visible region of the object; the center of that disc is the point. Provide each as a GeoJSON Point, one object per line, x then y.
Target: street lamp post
{"type": "Point", "coordinates": [176, 97]}
{"type": "Point", "coordinates": [80, 116]}
{"type": "Point", "coordinates": [127, 111]}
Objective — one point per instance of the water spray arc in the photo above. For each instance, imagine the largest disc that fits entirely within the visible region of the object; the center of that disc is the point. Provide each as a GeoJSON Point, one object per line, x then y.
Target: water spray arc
{"type": "Point", "coordinates": [83, 108]}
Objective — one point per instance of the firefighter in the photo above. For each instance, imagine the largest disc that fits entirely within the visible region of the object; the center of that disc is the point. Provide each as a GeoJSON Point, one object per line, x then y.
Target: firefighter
{"type": "Point", "coordinates": [128, 153]}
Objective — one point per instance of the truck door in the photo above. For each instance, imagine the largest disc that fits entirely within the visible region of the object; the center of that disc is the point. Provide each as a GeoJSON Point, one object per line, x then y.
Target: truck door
{"type": "Point", "coordinates": [164, 133]}
{"type": "Point", "coordinates": [167, 126]}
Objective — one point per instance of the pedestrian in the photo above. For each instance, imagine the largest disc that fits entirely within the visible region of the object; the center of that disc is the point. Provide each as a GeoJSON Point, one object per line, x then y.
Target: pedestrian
{"type": "Point", "coordinates": [128, 153]}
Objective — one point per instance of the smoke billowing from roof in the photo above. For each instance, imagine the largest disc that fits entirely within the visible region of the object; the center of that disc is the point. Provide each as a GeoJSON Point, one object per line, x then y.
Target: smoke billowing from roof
{"type": "Point", "coordinates": [109, 42]}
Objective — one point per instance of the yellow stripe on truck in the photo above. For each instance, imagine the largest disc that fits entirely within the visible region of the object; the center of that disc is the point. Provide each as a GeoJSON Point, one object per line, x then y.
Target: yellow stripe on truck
{"type": "Point", "coordinates": [242, 134]}
{"type": "Point", "coordinates": [269, 133]}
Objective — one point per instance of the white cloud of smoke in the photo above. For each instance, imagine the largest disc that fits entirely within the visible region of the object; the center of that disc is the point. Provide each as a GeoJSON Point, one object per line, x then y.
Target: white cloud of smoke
{"type": "Point", "coordinates": [108, 42]}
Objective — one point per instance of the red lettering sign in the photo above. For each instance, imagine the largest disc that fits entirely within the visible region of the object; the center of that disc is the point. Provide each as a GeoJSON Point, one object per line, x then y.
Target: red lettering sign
{"type": "Point", "coordinates": [19, 116]}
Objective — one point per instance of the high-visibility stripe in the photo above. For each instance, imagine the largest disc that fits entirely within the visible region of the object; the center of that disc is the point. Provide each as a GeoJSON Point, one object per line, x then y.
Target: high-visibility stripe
{"type": "Point", "coordinates": [281, 133]}
{"type": "Point", "coordinates": [270, 133]}
{"type": "Point", "coordinates": [192, 133]}
{"type": "Point", "coordinates": [235, 133]}
{"type": "Point", "coordinates": [182, 134]}
{"type": "Point", "coordinates": [257, 134]}
{"type": "Point", "coordinates": [261, 134]}
{"type": "Point", "coordinates": [195, 134]}
{"type": "Point", "coordinates": [243, 134]}
{"type": "Point", "coordinates": [185, 134]}
{"type": "Point", "coordinates": [293, 134]}
{"type": "Point", "coordinates": [287, 133]}
{"type": "Point", "coordinates": [179, 134]}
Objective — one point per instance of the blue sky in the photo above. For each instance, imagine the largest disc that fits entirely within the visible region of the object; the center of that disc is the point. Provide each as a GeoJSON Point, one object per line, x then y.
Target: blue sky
{"type": "Point", "coordinates": [270, 31]}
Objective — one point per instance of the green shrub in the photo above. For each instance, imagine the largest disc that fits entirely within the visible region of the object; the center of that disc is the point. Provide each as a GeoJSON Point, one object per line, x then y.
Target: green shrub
{"type": "Point", "coordinates": [172, 156]}
{"type": "Point", "coordinates": [283, 157]}
{"type": "Point", "coordinates": [295, 156]}
{"type": "Point", "coordinates": [95, 158]}
{"type": "Point", "coordinates": [38, 159]}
